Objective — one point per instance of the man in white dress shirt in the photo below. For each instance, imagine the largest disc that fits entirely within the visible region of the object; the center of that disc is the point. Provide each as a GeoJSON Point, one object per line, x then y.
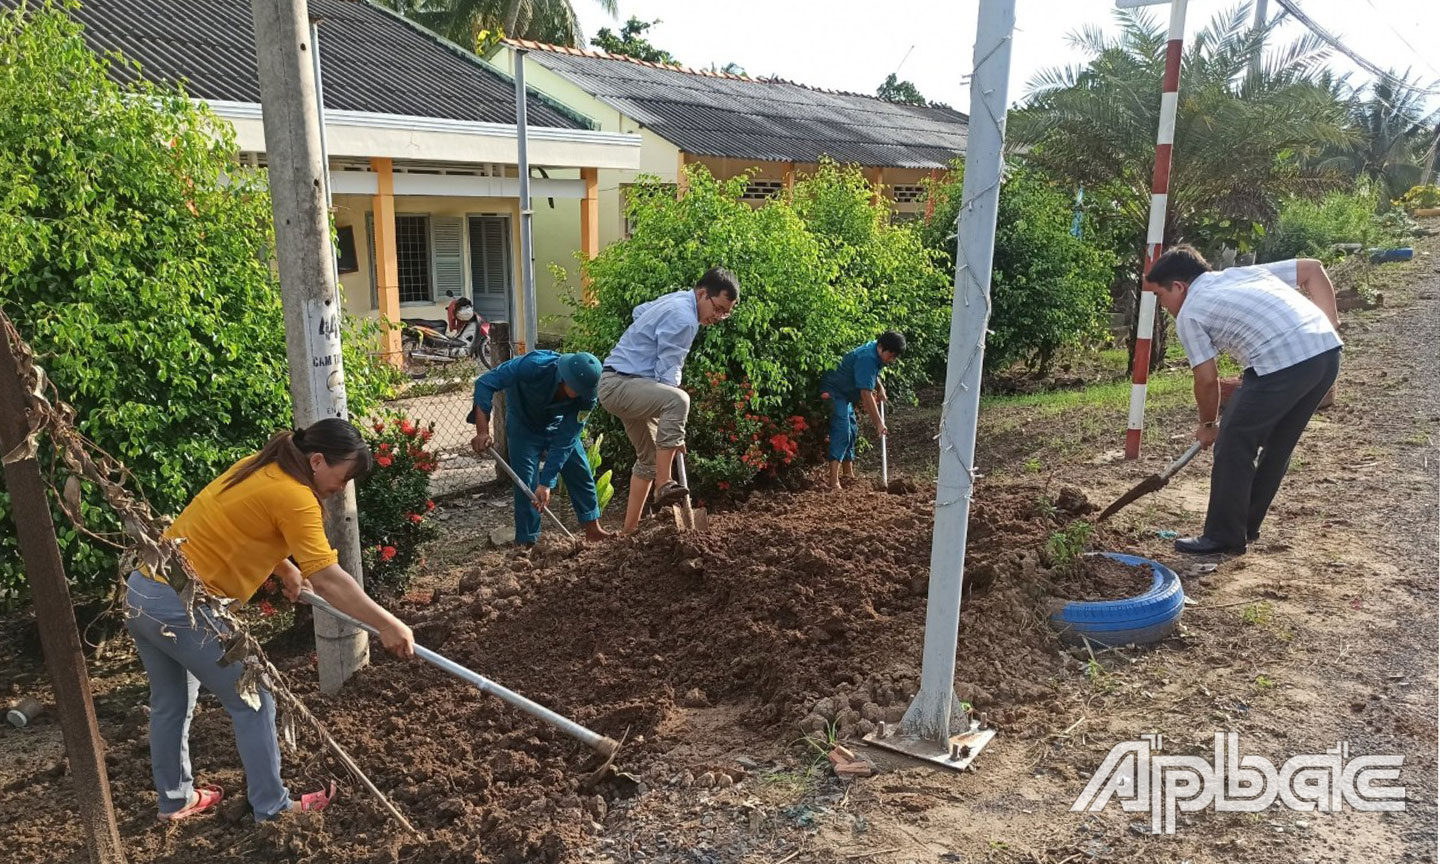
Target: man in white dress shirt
{"type": "Point", "coordinates": [1290, 350]}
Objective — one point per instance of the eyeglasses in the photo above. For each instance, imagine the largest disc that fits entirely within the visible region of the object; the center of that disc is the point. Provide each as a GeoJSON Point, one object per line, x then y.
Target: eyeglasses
{"type": "Point", "coordinates": [722, 312]}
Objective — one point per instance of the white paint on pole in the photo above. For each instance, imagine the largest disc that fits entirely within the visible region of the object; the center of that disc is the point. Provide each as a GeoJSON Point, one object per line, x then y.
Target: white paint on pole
{"type": "Point", "coordinates": [308, 287]}
{"type": "Point", "coordinates": [527, 214]}
{"type": "Point", "coordinates": [1168, 103]}
{"type": "Point", "coordinates": [932, 715]}
{"type": "Point", "coordinates": [1137, 405]}
{"type": "Point", "coordinates": [1147, 316]}
{"type": "Point", "coordinates": [1155, 231]}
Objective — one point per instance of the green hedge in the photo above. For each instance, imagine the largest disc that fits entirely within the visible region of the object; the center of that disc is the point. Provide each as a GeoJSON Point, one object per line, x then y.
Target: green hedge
{"type": "Point", "coordinates": [135, 257]}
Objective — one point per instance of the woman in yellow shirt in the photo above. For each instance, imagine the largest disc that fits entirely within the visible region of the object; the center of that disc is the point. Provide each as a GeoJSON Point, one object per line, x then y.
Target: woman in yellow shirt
{"type": "Point", "coordinates": [247, 524]}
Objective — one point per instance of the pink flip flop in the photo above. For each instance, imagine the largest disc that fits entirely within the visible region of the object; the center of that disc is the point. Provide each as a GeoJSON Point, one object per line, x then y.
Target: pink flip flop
{"type": "Point", "coordinates": [206, 798]}
{"type": "Point", "coordinates": [314, 802]}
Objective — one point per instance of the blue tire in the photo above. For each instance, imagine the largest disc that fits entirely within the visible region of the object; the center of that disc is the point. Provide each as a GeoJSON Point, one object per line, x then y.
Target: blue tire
{"type": "Point", "coordinates": [1138, 620]}
{"type": "Point", "coordinates": [1385, 256]}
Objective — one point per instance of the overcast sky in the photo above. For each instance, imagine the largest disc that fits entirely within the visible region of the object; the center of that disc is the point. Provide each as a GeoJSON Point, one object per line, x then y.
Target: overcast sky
{"type": "Point", "coordinates": [844, 45]}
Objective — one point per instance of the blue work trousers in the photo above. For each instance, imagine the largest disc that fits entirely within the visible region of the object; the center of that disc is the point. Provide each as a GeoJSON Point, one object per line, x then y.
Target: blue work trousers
{"type": "Point", "coordinates": [526, 450]}
{"type": "Point", "coordinates": [844, 428]}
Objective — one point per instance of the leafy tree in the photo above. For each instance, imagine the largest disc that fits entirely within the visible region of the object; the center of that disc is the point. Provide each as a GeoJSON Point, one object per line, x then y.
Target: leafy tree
{"type": "Point", "coordinates": [631, 42]}
{"type": "Point", "coordinates": [818, 276]}
{"type": "Point", "coordinates": [135, 257]}
{"type": "Point", "coordinates": [463, 21]}
{"type": "Point", "coordinates": [1048, 288]}
{"type": "Point", "coordinates": [1242, 142]}
{"type": "Point", "coordinates": [903, 92]}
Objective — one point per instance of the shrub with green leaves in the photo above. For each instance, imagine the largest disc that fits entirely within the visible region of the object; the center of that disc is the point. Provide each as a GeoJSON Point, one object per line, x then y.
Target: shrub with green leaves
{"type": "Point", "coordinates": [1049, 289]}
{"type": "Point", "coordinates": [819, 275]}
{"type": "Point", "coordinates": [393, 504]}
{"type": "Point", "coordinates": [135, 257]}
{"type": "Point", "coordinates": [1310, 228]}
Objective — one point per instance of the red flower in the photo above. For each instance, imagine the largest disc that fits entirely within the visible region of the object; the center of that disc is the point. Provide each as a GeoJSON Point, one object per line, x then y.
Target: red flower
{"type": "Point", "coordinates": [266, 608]}
{"type": "Point", "coordinates": [429, 505]}
{"type": "Point", "coordinates": [415, 517]}
{"type": "Point", "coordinates": [724, 485]}
{"type": "Point", "coordinates": [426, 434]}
{"type": "Point", "coordinates": [383, 461]}
{"type": "Point", "coordinates": [385, 447]}
{"type": "Point", "coordinates": [407, 428]}
{"type": "Point", "coordinates": [379, 427]}
{"type": "Point", "coordinates": [387, 552]}
{"type": "Point", "coordinates": [798, 424]}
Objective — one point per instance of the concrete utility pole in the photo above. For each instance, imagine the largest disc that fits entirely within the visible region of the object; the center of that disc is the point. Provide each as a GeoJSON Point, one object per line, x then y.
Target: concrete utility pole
{"type": "Point", "coordinates": [307, 280]}
{"type": "Point", "coordinates": [1256, 61]}
{"type": "Point", "coordinates": [55, 618]}
{"type": "Point", "coordinates": [527, 248]}
{"type": "Point", "coordinates": [933, 727]}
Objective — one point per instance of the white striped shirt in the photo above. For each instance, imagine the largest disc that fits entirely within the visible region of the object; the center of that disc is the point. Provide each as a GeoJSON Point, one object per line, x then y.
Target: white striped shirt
{"type": "Point", "coordinates": [1255, 315]}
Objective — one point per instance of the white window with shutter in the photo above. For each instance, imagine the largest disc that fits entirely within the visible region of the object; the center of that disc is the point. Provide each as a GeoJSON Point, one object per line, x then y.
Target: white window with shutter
{"type": "Point", "coordinates": [447, 254]}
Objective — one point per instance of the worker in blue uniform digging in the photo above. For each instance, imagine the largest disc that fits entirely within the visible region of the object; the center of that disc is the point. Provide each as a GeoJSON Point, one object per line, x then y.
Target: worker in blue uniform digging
{"type": "Point", "coordinates": [857, 380]}
{"type": "Point", "coordinates": [546, 397]}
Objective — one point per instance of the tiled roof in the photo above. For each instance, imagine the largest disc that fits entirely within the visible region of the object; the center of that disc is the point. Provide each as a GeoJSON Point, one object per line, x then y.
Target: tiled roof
{"type": "Point", "coordinates": [373, 60]}
{"type": "Point", "coordinates": [715, 114]}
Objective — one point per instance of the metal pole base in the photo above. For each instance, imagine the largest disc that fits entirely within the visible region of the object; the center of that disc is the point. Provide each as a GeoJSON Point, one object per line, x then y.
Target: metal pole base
{"type": "Point", "coordinates": [959, 752]}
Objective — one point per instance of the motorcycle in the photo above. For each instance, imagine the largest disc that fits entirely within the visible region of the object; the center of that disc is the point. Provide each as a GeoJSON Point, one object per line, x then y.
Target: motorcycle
{"type": "Point", "coordinates": [463, 334]}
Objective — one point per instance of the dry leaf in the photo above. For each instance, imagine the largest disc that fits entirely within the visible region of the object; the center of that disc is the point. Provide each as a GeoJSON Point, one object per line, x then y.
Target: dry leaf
{"type": "Point", "coordinates": [72, 499]}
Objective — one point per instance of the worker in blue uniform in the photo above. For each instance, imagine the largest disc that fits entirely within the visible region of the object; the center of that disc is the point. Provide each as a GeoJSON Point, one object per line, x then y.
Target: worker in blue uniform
{"type": "Point", "coordinates": [547, 397]}
{"type": "Point", "coordinates": [856, 381]}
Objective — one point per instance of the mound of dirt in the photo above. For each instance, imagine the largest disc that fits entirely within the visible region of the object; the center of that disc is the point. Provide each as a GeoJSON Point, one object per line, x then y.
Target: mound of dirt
{"type": "Point", "coordinates": [796, 611]}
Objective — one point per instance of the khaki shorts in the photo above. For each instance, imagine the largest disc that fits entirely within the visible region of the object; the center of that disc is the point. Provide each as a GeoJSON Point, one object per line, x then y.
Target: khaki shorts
{"type": "Point", "coordinates": [654, 415]}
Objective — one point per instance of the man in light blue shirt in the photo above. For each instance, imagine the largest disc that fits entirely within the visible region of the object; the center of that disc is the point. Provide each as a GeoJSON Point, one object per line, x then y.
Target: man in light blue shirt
{"type": "Point", "coordinates": [641, 382]}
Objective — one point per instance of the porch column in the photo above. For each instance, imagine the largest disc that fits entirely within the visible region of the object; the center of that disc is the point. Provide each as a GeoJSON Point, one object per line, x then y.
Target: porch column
{"type": "Point", "coordinates": [589, 227]}
{"type": "Point", "coordinates": [789, 179]}
{"type": "Point", "coordinates": [387, 271]}
{"type": "Point", "coordinates": [680, 181]}
{"type": "Point", "coordinates": [877, 177]}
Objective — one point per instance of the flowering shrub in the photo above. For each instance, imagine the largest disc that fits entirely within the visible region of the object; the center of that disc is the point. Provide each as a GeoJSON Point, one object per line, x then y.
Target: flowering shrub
{"type": "Point", "coordinates": [734, 441]}
{"type": "Point", "coordinates": [394, 503]}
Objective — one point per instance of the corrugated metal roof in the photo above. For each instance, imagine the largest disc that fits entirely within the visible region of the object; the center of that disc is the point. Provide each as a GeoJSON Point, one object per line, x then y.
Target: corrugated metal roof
{"type": "Point", "coordinates": [373, 60]}
{"type": "Point", "coordinates": [724, 115]}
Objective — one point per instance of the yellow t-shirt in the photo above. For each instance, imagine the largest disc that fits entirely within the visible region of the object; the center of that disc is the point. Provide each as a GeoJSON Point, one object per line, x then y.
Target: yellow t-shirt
{"type": "Point", "coordinates": [235, 537]}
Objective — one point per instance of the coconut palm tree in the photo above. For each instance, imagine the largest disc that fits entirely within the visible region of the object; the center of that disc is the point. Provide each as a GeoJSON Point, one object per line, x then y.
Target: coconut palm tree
{"type": "Point", "coordinates": [462, 21]}
{"type": "Point", "coordinates": [1242, 141]}
{"type": "Point", "coordinates": [1393, 135]}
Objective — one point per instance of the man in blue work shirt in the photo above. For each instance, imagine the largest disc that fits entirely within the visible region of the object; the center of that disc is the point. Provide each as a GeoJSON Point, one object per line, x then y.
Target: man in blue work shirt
{"type": "Point", "coordinates": [856, 379]}
{"type": "Point", "coordinates": [545, 395]}
{"type": "Point", "coordinates": [641, 382]}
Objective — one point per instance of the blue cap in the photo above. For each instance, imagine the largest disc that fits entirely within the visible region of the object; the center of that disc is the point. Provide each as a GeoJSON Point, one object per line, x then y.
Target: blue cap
{"type": "Point", "coordinates": [581, 371]}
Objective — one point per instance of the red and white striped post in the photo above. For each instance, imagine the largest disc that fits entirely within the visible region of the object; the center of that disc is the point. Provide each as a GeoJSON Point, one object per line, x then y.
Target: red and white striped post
{"type": "Point", "coordinates": [1155, 236]}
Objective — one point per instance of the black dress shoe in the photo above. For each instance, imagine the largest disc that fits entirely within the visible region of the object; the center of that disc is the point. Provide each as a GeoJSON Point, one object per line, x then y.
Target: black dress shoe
{"type": "Point", "coordinates": [1205, 546]}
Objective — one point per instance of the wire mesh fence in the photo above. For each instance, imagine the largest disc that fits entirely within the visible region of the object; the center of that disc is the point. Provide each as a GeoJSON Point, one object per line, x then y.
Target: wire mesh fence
{"type": "Point", "coordinates": [442, 394]}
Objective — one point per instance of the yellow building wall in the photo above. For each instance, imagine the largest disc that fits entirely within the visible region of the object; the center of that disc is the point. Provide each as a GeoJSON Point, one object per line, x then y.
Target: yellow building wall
{"type": "Point", "coordinates": [351, 209]}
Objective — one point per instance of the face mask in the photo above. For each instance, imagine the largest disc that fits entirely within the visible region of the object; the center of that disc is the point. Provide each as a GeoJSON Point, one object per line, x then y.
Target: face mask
{"type": "Point", "coordinates": [465, 313]}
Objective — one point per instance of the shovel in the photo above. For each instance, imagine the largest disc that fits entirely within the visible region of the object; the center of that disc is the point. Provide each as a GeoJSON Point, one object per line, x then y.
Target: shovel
{"type": "Point", "coordinates": [1153, 483]}
{"type": "Point", "coordinates": [688, 518]}
{"type": "Point", "coordinates": [601, 744]}
{"type": "Point", "coordinates": [884, 453]}
{"type": "Point", "coordinates": [529, 493]}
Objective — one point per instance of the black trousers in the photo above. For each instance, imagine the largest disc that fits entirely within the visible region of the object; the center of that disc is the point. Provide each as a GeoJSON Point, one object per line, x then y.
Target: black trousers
{"type": "Point", "coordinates": [1261, 426]}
